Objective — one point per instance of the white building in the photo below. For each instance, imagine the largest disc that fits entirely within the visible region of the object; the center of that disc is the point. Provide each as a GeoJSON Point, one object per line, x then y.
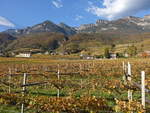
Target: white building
{"type": "Point", "coordinates": [24, 55]}
{"type": "Point", "coordinates": [126, 55]}
{"type": "Point", "coordinates": [87, 57]}
{"type": "Point", "coordinates": [1, 54]}
{"type": "Point", "coordinates": [113, 55]}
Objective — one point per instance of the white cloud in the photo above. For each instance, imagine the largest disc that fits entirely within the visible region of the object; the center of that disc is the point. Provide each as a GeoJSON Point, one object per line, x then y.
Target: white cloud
{"type": "Point", "coordinates": [6, 22]}
{"type": "Point", "coordinates": [78, 17]}
{"type": "Point", "coordinates": [113, 9]}
{"type": "Point", "coordinates": [57, 3]}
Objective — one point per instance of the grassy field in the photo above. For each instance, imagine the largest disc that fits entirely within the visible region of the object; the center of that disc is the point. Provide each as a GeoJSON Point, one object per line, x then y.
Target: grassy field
{"type": "Point", "coordinates": [90, 86]}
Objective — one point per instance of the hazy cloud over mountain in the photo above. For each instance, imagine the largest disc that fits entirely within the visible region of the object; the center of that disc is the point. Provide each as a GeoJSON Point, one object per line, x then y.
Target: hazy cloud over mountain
{"type": "Point", "coordinates": [6, 22]}
{"type": "Point", "coordinates": [113, 9]}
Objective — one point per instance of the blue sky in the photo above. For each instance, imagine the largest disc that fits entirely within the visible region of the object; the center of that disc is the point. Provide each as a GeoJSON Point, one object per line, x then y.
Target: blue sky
{"type": "Point", "coordinates": [23, 13]}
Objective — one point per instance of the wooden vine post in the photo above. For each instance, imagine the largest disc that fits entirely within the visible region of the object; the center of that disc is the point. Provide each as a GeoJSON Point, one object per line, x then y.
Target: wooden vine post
{"type": "Point", "coordinates": [129, 79]}
{"type": "Point", "coordinates": [123, 66]}
{"type": "Point", "coordinates": [124, 73]}
{"type": "Point", "coordinates": [81, 81]}
{"type": "Point", "coordinates": [23, 91]}
{"type": "Point", "coordinates": [58, 73]}
{"type": "Point", "coordinates": [58, 77]}
{"type": "Point", "coordinates": [9, 89]}
{"type": "Point", "coordinates": [143, 88]}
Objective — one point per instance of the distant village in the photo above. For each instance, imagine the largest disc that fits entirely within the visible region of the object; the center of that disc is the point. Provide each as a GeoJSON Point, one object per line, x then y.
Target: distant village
{"type": "Point", "coordinates": [106, 55]}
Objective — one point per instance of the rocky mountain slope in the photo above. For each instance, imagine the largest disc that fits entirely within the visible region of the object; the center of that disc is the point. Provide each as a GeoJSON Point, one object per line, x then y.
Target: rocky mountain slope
{"type": "Point", "coordinates": [5, 40]}
{"type": "Point", "coordinates": [46, 26]}
{"type": "Point", "coordinates": [124, 25]}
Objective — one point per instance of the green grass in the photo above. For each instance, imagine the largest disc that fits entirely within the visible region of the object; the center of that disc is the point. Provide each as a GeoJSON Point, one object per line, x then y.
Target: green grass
{"type": "Point", "coordinates": [8, 109]}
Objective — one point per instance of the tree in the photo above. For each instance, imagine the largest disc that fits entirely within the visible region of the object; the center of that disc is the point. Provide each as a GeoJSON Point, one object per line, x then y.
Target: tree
{"type": "Point", "coordinates": [113, 47]}
{"type": "Point", "coordinates": [72, 48]}
{"type": "Point", "coordinates": [142, 46]}
{"type": "Point", "coordinates": [106, 53]}
{"type": "Point", "coordinates": [132, 50]}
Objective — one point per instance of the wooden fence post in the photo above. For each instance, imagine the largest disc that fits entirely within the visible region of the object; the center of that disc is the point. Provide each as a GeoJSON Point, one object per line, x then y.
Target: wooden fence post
{"type": "Point", "coordinates": [129, 71]}
{"type": "Point", "coordinates": [58, 77]}
{"type": "Point", "coordinates": [9, 79]}
{"type": "Point", "coordinates": [123, 66]}
{"type": "Point", "coordinates": [143, 88]}
{"type": "Point", "coordinates": [129, 79]}
{"type": "Point", "coordinates": [58, 73]}
{"type": "Point", "coordinates": [23, 91]}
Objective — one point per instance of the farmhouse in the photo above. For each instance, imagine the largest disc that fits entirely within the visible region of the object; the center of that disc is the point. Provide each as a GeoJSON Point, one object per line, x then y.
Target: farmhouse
{"type": "Point", "coordinates": [113, 55]}
{"type": "Point", "coordinates": [24, 55]}
{"type": "Point", "coordinates": [87, 57]}
{"type": "Point", "coordinates": [1, 54]}
{"type": "Point", "coordinates": [126, 55]}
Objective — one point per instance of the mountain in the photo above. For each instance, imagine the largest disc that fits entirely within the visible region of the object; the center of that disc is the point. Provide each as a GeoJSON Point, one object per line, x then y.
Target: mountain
{"type": "Point", "coordinates": [46, 26]}
{"type": "Point", "coordinates": [43, 41]}
{"type": "Point", "coordinates": [126, 25]}
{"type": "Point", "coordinates": [89, 37]}
{"type": "Point", "coordinates": [67, 29]}
{"type": "Point", "coordinates": [5, 40]}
